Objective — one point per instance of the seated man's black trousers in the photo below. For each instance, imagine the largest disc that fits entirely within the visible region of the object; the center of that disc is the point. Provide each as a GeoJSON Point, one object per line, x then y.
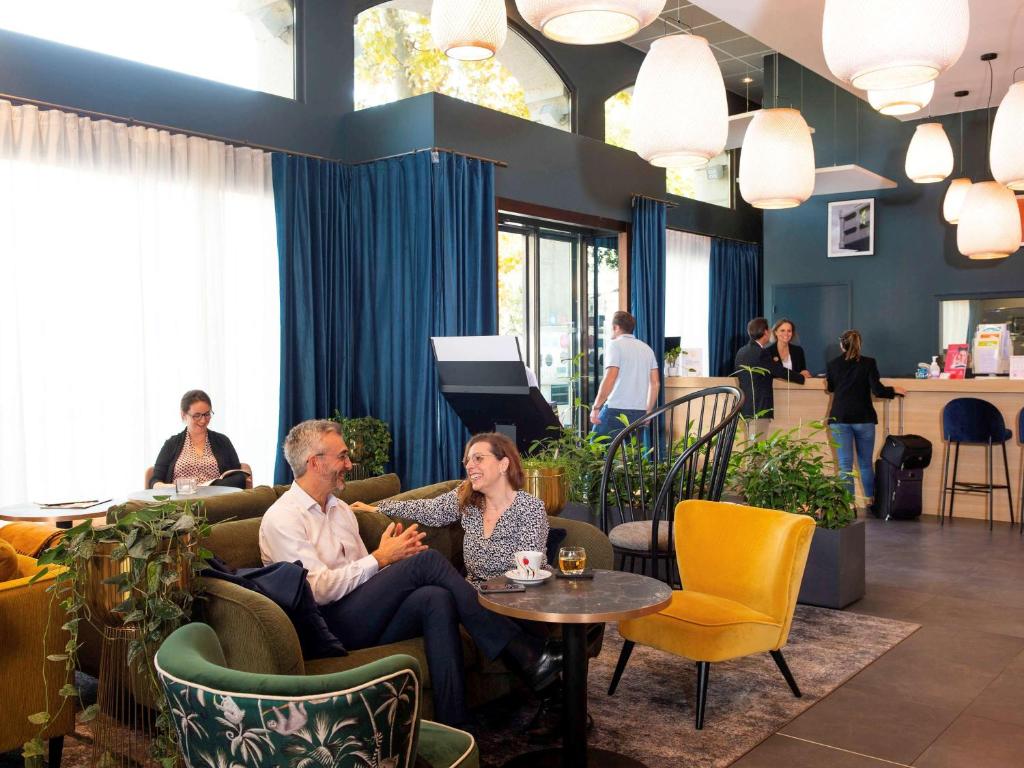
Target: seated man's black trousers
{"type": "Point", "coordinates": [423, 595]}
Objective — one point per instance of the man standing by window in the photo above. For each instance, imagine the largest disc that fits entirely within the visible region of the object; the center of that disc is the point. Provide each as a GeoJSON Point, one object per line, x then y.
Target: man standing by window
{"type": "Point", "coordinates": [631, 381]}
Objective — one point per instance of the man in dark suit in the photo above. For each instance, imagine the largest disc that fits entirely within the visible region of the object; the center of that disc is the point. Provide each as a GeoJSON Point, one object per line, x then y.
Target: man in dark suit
{"type": "Point", "coordinates": [755, 369]}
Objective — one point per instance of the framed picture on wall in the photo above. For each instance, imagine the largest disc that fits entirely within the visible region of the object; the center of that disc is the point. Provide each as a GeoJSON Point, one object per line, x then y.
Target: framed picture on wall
{"type": "Point", "coordinates": [851, 228]}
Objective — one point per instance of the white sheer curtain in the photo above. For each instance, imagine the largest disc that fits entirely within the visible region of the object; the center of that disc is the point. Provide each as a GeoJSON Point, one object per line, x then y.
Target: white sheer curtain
{"type": "Point", "coordinates": [136, 265]}
{"type": "Point", "coordinates": [687, 276]}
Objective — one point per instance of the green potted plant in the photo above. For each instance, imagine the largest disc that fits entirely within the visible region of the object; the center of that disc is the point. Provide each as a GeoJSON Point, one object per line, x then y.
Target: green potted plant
{"type": "Point", "coordinates": [369, 444]}
{"type": "Point", "coordinates": [139, 573]}
{"type": "Point", "coordinates": [672, 361]}
{"type": "Point", "coordinates": [793, 470]}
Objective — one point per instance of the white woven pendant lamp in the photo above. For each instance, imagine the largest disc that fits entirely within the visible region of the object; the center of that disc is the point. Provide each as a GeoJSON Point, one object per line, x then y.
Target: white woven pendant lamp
{"type": "Point", "coordinates": [902, 101]}
{"type": "Point", "coordinates": [589, 22]}
{"type": "Point", "coordinates": [1006, 154]}
{"type": "Point", "coordinates": [777, 160]}
{"type": "Point", "coordinates": [929, 156]}
{"type": "Point", "coordinates": [680, 115]}
{"type": "Point", "coordinates": [989, 225]}
{"type": "Point", "coordinates": [877, 44]}
{"type": "Point", "coordinates": [468, 30]}
{"type": "Point", "coordinates": [953, 202]}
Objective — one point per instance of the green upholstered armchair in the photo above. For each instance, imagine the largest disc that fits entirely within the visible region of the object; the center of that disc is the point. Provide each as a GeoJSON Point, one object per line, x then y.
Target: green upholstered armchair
{"type": "Point", "coordinates": [370, 715]}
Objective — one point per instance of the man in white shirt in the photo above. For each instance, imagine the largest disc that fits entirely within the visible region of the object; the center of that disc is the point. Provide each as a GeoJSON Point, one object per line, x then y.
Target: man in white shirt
{"type": "Point", "coordinates": [399, 591]}
{"type": "Point", "coordinates": [631, 379]}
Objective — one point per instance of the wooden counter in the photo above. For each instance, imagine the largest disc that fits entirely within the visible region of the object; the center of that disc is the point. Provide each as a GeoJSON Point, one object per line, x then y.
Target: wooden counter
{"type": "Point", "coordinates": [796, 405]}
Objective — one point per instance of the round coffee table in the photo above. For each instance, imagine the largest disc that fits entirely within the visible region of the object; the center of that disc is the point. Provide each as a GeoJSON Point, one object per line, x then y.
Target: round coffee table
{"type": "Point", "coordinates": [202, 492]}
{"type": "Point", "coordinates": [575, 603]}
{"type": "Point", "coordinates": [60, 517]}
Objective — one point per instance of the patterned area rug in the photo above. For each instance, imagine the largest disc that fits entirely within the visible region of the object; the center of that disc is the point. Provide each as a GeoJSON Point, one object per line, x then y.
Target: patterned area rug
{"type": "Point", "coordinates": [650, 717]}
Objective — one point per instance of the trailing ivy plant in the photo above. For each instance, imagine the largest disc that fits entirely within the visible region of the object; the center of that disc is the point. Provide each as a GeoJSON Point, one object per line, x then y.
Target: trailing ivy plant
{"type": "Point", "coordinates": [368, 440]}
{"type": "Point", "coordinates": [793, 472]}
{"type": "Point", "coordinates": [157, 558]}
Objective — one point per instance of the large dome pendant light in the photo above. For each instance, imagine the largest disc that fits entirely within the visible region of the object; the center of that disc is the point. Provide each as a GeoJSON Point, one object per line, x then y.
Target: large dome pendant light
{"type": "Point", "coordinates": [777, 160]}
{"type": "Point", "coordinates": [468, 30]}
{"type": "Point", "coordinates": [680, 115]}
{"type": "Point", "coordinates": [929, 156]}
{"type": "Point", "coordinates": [877, 44]}
{"type": "Point", "coordinates": [953, 202]}
{"type": "Point", "coordinates": [989, 225]}
{"type": "Point", "coordinates": [902, 101]}
{"type": "Point", "coordinates": [589, 22]}
{"type": "Point", "coordinates": [1006, 155]}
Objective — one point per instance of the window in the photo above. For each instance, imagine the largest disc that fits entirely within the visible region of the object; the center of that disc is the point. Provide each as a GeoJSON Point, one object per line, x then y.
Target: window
{"type": "Point", "coordinates": [710, 184]}
{"type": "Point", "coordinates": [687, 284]}
{"type": "Point", "coordinates": [395, 58]}
{"type": "Point", "coordinates": [137, 265]}
{"type": "Point", "coordinates": [545, 271]}
{"type": "Point", "coordinates": [247, 44]}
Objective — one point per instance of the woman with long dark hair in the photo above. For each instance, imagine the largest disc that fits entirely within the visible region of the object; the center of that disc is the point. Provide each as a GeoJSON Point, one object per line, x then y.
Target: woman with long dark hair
{"type": "Point", "coordinates": [852, 378]}
{"type": "Point", "coordinates": [498, 517]}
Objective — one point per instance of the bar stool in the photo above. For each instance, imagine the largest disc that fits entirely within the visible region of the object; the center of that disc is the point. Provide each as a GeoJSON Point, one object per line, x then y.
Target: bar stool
{"type": "Point", "coordinates": [973, 421]}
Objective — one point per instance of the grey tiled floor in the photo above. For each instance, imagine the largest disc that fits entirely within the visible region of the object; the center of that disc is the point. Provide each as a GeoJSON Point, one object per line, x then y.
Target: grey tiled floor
{"type": "Point", "coordinates": [950, 695]}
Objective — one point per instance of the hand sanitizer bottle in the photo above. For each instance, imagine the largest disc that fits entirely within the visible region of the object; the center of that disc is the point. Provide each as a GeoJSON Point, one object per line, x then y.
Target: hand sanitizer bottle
{"type": "Point", "coordinates": [934, 367]}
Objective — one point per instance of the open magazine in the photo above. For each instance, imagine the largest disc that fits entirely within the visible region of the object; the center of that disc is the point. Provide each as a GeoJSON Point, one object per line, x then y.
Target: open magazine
{"type": "Point", "coordinates": [225, 474]}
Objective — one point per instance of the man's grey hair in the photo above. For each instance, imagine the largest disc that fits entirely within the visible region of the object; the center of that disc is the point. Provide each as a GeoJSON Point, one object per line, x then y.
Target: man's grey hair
{"type": "Point", "coordinates": [307, 439]}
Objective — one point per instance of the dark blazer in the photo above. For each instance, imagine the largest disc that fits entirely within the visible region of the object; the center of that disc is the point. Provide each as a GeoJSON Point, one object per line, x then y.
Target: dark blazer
{"type": "Point", "coordinates": [223, 452]}
{"type": "Point", "coordinates": [852, 382]}
{"type": "Point", "coordinates": [760, 396]}
{"type": "Point", "coordinates": [796, 355]}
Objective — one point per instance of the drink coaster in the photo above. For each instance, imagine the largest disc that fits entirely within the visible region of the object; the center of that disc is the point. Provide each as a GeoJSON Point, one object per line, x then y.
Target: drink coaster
{"type": "Point", "coordinates": [587, 574]}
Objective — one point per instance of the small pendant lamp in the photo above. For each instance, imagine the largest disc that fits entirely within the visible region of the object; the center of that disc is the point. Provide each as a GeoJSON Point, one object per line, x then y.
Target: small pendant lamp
{"type": "Point", "coordinates": [468, 30]}
{"type": "Point", "coordinates": [989, 225]}
{"type": "Point", "coordinates": [877, 44]}
{"type": "Point", "coordinates": [777, 160]}
{"type": "Point", "coordinates": [929, 157]}
{"type": "Point", "coordinates": [680, 115]}
{"type": "Point", "coordinates": [902, 101]}
{"type": "Point", "coordinates": [589, 22]}
{"type": "Point", "coordinates": [953, 202]}
{"type": "Point", "coordinates": [1006, 154]}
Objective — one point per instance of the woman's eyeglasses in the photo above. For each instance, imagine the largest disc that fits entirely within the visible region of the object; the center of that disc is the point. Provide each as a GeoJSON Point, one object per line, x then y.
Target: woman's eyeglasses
{"type": "Point", "coordinates": [476, 458]}
{"type": "Point", "coordinates": [200, 416]}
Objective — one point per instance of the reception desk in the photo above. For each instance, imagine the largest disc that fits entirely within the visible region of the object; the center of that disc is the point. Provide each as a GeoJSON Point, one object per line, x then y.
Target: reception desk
{"type": "Point", "coordinates": [796, 405]}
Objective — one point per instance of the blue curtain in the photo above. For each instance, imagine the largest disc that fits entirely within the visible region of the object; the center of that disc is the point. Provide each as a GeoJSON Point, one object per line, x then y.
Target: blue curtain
{"type": "Point", "coordinates": [647, 275]}
{"type": "Point", "coordinates": [310, 201]}
{"type": "Point", "coordinates": [735, 299]}
{"type": "Point", "coordinates": [418, 259]}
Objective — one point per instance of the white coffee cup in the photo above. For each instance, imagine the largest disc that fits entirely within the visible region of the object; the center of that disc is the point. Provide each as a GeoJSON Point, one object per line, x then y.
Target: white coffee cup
{"type": "Point", "coordinates": [528, 561]}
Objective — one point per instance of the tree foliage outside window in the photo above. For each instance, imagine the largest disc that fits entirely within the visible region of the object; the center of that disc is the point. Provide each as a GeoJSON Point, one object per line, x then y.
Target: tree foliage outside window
{"type": "Point", "coordinates": [396, 59]}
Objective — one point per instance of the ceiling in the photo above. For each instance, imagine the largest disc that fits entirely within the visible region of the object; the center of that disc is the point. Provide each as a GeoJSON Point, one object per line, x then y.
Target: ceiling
{"type": "Point", "coordinates": [739, 55]}
{"type": "Point", "coordinates": [793, 27]}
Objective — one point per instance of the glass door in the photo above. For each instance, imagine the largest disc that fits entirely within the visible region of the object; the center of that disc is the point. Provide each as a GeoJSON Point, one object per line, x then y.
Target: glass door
{"type": "Point", "coordinates": [558, 321]}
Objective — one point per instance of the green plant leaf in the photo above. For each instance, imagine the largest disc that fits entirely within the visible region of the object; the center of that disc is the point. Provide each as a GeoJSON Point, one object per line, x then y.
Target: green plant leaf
{"type": "Point", "coordinates": [39, 718]}
{"type": "Point", "coordinates": [89, 713]}
{"type": "Point", "coordinates": [32, 748]}
{"type": "Point", "coordinates": [68, 690]}
{"type": "Point", "coordinates": [57, 657]}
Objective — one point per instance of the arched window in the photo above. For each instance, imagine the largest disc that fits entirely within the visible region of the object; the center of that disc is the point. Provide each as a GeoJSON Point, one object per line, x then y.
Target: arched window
{"type": "Point", "coordinates": [395, 58]}
{"type": "Point", "coordinates": [711, 184]}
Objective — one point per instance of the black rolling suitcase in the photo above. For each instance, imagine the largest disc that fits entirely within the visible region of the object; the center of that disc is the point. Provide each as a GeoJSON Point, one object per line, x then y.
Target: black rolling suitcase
{"type": "Point", "coordinates": [899, 472]}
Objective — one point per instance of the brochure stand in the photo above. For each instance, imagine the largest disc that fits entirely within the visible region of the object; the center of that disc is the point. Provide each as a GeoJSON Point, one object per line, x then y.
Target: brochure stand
{"type": "Point", "coordinates": [484, 380]}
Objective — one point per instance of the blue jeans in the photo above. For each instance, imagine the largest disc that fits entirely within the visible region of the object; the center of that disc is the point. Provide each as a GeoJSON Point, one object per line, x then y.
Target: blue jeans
{"type": "Point", "coordinates": [861, 437]}
{"type": "Point", "coordinates": [611, 425]}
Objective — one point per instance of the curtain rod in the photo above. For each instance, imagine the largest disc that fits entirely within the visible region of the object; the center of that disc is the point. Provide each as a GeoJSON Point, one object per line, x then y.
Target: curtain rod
{"type": "Point", "coordinates": [499, 163]}
{"type": "Point", "coordinates": [158, 126]}
{"type": "Point", "coordinates": [669, 203]}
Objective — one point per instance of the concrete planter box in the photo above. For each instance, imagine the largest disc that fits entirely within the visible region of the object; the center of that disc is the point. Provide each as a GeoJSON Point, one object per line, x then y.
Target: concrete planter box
{"type": "Point", "coordinates": [834, 576]}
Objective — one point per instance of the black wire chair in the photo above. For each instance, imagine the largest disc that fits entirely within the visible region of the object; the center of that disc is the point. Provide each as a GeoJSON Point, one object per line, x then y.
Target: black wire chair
{"type": "Point", "coordinates": [678, 451]}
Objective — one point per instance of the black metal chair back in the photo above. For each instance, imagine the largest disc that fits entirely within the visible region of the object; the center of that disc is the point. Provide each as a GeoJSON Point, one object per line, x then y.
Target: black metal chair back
{"type": "Point", "coordinates": [678, 451]}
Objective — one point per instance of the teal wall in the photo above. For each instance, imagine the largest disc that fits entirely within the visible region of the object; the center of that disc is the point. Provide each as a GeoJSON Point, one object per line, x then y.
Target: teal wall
{"type": "Point", "coordinates": [576, 173]}
{"type": "Point", "coordinates": [895, 293]}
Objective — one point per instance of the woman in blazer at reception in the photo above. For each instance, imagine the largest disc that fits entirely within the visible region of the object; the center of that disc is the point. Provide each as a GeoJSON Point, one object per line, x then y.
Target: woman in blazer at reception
{"type": "Point", "coordinates": [784, 351]}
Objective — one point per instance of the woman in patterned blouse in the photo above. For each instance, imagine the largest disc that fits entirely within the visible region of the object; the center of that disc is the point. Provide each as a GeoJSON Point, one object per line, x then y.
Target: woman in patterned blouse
{"type": "Point", "coordinates": [499, 518]}
{"type": "Point", "coordinates": [197, 451]}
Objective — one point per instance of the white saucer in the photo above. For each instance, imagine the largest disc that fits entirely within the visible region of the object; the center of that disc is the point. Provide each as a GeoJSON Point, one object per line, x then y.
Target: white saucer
{"type": "Point", "coordinates": [513, 575]}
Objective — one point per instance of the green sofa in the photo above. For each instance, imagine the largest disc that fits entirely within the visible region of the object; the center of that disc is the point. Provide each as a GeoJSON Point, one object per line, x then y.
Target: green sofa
{"type": "Point", "coordinates": [256, 636]}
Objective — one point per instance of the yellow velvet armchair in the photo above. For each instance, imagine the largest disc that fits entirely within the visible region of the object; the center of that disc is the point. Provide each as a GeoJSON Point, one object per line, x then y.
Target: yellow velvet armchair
{"type": "Point", "coordinates": [741, 569]}
{"type": "Point", "coordinates": [24, 609]}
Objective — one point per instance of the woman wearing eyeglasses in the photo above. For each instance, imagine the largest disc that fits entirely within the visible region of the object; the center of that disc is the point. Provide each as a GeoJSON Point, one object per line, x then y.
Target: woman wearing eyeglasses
{"type": "Point", "coordinates": [198, 451]}
{"type": "Point", "coordinates": [498, 517]}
